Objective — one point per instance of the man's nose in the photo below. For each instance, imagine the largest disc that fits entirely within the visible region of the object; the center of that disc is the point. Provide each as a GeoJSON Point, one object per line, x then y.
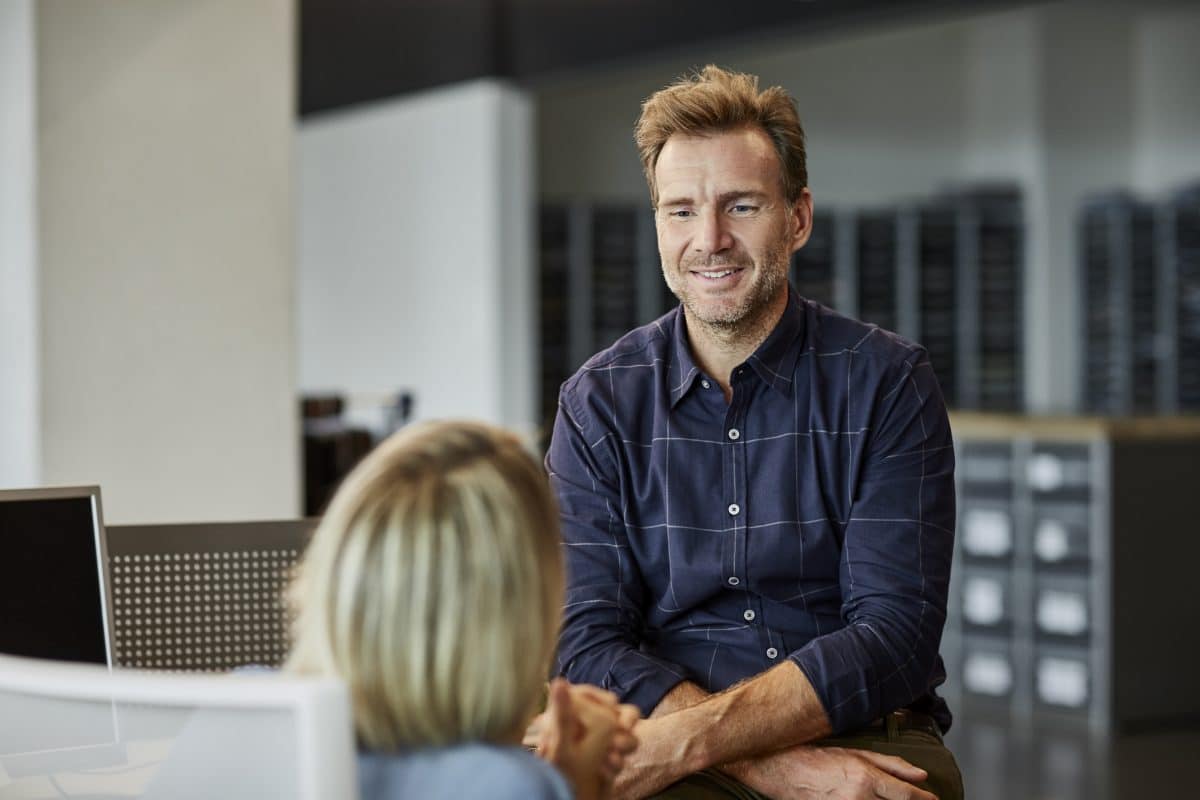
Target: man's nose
{"type": "Point", "coordinates": [713, 234]}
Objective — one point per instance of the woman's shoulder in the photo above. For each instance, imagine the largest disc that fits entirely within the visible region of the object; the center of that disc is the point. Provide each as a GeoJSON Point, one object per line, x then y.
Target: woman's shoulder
{"type": "Point", "coordinates": [465, 771]}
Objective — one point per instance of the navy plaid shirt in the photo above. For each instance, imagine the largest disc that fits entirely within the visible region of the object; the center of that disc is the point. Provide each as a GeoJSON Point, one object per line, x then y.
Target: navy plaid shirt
{"type": "Point", "coordinates": [812, 518]}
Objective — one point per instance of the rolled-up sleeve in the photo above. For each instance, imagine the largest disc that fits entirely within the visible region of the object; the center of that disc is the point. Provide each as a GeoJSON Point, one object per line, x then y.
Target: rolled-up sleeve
{"type": "Point", "coordinates": [895, 561]}
{"type": "Point", "coordinates": [602, 618]}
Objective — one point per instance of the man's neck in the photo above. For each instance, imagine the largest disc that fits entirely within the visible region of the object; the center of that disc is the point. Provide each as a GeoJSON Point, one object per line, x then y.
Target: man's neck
{"type": "Point", "coordinates": [718, 349]}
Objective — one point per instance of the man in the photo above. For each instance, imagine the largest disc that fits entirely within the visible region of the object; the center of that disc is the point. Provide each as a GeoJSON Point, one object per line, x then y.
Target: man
{"type": "Point", "coordinates": [756, 493]}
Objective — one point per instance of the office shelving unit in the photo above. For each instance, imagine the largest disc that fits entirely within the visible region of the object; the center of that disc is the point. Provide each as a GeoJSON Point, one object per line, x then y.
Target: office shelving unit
{"type": "Point", "coordinates": [947, 273]}
{"type": "Point", "coordinates": [877, 268]}
{"type": "Point", "coordinates": [1120, 304]}
{"type": "Point", "coordinates": [818, 269]}
{"type": "Point", "coordinates": [1072, 599]}
{"type": "Point", "coordinates": [929, 288]}
{"type": "Point", "coordinates": [1178, 240]}
{"type": "Point", "coordinates": [599, 277]}
{"type": "Point", "coordinates": [991, 244]}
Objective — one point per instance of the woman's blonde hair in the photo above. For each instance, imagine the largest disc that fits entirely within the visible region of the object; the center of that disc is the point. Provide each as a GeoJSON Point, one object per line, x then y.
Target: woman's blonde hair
{"type": "Point", "coordinates": [433, 588]}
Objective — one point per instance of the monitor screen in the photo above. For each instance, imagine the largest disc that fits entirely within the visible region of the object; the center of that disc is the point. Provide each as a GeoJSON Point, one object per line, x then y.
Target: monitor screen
{"type": "Point", "coordinates": [52, 596]}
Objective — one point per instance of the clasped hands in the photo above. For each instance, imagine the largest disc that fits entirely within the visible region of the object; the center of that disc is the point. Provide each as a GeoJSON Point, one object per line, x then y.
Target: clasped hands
{"type": "Point", "coordinates": [586, 732]}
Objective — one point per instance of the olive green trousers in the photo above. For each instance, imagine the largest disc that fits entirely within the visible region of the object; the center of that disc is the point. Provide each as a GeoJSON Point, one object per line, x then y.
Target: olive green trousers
{"type": "Point", "coordinates": [917, 745]}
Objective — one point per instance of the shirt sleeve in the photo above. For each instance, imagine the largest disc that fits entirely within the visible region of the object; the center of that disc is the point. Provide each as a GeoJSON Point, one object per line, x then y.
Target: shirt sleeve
{"type": "Point", "coordinates": [602, 617]}
{"type": "Point", "coordinates": [895, 562]}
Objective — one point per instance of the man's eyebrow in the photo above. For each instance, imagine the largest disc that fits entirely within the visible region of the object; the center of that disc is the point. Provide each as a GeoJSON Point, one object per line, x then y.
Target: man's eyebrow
{"type": "Point", "coordinates": [741, 194]}
{"type": "Point", "coordinates": [722, 199]}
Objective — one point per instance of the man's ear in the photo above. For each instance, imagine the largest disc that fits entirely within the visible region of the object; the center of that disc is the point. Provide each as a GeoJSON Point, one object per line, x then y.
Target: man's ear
{"type": "Point", "coordinates": [800, 218]}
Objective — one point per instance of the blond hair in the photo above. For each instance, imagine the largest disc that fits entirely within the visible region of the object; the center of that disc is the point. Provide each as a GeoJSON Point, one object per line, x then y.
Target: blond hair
{"type": "Point", "coordinates": [715, 100]}
{"type": "Point", "coordinates": [433, 588]}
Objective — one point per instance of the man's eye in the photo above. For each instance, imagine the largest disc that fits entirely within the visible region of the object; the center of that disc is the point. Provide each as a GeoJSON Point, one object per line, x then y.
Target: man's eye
{"type": "Point", "coordinates": [681, 213]}
{"type": "Point", "coordinates": [743, 208]}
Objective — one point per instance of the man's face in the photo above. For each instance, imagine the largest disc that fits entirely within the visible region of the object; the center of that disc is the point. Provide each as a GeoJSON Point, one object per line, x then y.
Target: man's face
{"type": "Point", "coordinates": [725, 231]}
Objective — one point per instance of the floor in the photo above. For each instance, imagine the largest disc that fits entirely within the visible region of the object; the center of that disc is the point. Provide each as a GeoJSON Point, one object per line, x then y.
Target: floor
{"type": "Point", "coordinates": [1003, 759]}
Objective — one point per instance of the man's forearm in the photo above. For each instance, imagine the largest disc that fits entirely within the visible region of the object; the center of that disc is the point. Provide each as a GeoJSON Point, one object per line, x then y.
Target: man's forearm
{"type": "Point", "coordinates": [776, 709]}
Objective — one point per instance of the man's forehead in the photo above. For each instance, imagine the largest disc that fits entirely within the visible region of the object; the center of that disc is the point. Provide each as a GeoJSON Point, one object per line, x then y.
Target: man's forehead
{"type": "Point", "coordinates": [741, 158]}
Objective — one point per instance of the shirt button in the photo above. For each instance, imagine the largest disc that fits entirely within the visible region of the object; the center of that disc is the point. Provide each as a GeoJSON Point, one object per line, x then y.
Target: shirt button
{"type": "Point", "coordinates": [748, 614]}
{"type": "Point", "coordinates": [706, 384]}
{"type": "Point", "coordinates": [734, 434]}
{"type": "Point", "coordinates": [772, 652]}
{"type": "Point", "coordinates": [733, 580]}
{"type": "Point", "coordinates": [734, 509]}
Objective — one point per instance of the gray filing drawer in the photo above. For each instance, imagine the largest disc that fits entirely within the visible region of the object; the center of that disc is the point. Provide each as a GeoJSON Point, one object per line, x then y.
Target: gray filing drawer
{"type": "Point", "coordinates": [988, 668]}
{"type": "Point", "coordinates": [986, 529]}
{"type": "Point", "coordinates": [1061, 534]}
{"type": "Point", "coordinates": [1062, 607]}
{"type": "Point", "coordinates": [1063, 679]}
{"type": "Point", "coordinates": [987, 599]}
{"type": "Point", "coordinates": [1059, 469]}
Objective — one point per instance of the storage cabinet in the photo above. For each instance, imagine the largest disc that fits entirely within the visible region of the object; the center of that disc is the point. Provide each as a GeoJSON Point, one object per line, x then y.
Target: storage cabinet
{"type": "Point", "coordinates": [1073, 595]}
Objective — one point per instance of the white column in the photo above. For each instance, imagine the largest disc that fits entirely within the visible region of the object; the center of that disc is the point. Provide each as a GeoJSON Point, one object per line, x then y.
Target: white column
{"type": "Point", "coordinates": [19, 379]}
{"type": "Point", "coordinates": [416, 259]}
{"type": "Point", "coordinates": [165, 238]}
{"type": "Point", "coordinates": [1166, 113]}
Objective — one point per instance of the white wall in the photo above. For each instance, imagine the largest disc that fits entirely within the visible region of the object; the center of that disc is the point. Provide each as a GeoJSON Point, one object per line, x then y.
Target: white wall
{"type": "Point", "coordinates": [856, 102]}
{"type": "Point", "coordinates": [415, 252]}
{"type": "Point", "coordinates": [165, 238]}
{"type": "Point", "coordinates": [1166, 113]}
{"type": "Point", "coordinates": [19, 381]}
{"type": "Point", "coordinates": [1064, 98]}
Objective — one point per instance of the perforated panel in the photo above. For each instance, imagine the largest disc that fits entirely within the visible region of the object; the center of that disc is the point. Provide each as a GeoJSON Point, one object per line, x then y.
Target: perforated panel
{"type": "Point", "coordinates": [202, 598]}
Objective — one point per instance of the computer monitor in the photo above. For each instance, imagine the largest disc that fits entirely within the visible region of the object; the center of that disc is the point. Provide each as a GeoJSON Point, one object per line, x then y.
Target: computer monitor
{"type": "Point", "coordinates": [54, 601]}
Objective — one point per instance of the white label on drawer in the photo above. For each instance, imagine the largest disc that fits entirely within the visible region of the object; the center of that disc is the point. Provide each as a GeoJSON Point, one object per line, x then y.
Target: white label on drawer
{"type": "Point", "coordinates": [1051, 540]}
{"type": "Point", "coordinates": [1045, 472]}
{"type": "Point", "coordinates": [1062, 612]}
{"type": "Point", "coordinates": [987, 532]}
{"type": "Point", "coordinates": [1062, 681]}
{"type": "Point", "coordinates": [983, 600]}
{"type": "Point", "coordinates": [986, 673]}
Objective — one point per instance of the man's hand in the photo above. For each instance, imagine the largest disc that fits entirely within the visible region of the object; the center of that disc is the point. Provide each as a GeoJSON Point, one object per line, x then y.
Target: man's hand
{"type": "Point", "coordinates": [586, 733]}
{"type": "Point", "coordinates": [807, 772]}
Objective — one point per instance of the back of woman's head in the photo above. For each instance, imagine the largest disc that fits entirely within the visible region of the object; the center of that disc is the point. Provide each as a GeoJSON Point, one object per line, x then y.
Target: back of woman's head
{"type": "Point", "coordinates": [433, 587]}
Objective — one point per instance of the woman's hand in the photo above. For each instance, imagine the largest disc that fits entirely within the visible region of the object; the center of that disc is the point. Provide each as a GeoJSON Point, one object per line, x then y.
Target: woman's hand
{"type": "Point", "coordinates": [586, 733]}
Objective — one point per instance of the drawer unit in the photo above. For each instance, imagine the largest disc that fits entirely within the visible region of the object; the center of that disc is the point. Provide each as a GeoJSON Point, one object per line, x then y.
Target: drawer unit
{"type": "Point", "coordinates": [988, 668]}
{"type": "Point", "coordinates": [986, 531]}
{"type": "Point", "coordinates": [987, 600]}
{"type": "Point", "coordinates": [1062, 680]}
{"type": "Point", "coordinates": [1058, 470]}
{"type": "Point", "coordinates": [1061, 536]}
{"type": "Point", "coordinates": [986, 469]}
{"type": "Point", "coordinates": [1072, 594]}
{"type": "Point", "coordinates": [1062, 608]}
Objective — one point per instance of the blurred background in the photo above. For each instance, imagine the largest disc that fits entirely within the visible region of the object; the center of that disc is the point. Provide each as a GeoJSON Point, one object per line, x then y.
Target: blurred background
{"type": "Point", "coordinates": [240, 241]}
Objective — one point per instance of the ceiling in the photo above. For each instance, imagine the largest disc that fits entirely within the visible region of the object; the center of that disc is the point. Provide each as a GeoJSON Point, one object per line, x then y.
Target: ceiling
{"type": "Point", "coordinates": [356, 51]}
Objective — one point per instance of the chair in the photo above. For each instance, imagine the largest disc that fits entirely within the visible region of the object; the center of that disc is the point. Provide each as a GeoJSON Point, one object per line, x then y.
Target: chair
{"type": "Point", "coordinates": [204, 597]}
{"type": "Point", "coordinates": [81, 730]}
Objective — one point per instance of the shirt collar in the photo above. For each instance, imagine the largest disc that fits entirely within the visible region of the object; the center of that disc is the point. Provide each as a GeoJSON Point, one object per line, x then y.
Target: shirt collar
{"type": "Point", "coordinates": [774, 361]}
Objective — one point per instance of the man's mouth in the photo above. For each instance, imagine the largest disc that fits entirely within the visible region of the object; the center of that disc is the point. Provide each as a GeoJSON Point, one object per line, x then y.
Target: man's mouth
{"type": "Point", "coordinates": [716, 274]}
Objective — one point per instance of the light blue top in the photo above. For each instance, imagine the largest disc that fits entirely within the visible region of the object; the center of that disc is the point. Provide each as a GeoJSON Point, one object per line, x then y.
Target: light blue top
{"type": "Point", "coordinates": [464, 771]}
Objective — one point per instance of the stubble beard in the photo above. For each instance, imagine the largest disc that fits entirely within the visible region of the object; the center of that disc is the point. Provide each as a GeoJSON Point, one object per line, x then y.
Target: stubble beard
{"type": "Point", "coordinates": [748, 319]}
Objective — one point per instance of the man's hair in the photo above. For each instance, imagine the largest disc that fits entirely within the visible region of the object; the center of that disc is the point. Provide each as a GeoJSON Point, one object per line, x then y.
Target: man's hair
{"type": "Point", "coordinates": [433, 588]}
{"type": "Point", "coordinates": [714, 100]}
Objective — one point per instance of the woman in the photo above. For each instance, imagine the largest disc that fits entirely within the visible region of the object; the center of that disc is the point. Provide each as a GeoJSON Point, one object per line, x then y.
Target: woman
{"type": "Point", "coordinates": [433, 588]}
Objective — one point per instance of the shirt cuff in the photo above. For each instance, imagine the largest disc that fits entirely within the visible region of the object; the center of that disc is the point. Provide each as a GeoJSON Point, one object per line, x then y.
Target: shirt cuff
{"type": "Point", "coordinates": [646, 686]}
{"type": "Point", "coordinates": [841, 685]}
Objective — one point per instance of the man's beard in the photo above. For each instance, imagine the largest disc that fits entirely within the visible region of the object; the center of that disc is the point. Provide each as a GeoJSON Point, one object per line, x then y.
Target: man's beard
{"type": "Point", "coordinates": [768, 279]}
